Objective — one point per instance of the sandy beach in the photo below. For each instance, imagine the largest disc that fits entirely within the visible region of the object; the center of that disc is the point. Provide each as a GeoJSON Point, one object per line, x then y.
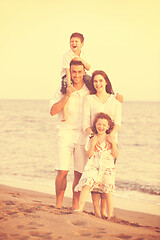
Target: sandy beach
{"type": "Point", "coordinates": [26, 214]}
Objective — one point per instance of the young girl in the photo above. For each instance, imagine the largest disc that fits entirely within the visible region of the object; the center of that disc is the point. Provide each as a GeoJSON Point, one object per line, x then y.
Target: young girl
{"type": "Point", "coordinates": [99, 172]}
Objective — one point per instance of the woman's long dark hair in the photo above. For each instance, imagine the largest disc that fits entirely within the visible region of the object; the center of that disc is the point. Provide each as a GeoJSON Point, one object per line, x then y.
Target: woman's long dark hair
{"type": "Point", "coordinates": [102, 115]}
{"type": "Point", "coordinates": [104, 75]}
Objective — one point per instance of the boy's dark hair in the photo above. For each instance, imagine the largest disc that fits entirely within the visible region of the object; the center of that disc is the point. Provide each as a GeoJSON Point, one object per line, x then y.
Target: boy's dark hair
{"type": "Point", "coordinates": [102, 115]}
{"type": "Point", "coordinates": [76, 63]}
{"type": "Point", "coordinates": [77, 35]}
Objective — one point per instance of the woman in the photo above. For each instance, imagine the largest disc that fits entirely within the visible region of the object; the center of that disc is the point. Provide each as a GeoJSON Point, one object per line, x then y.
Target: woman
{"type": "Point", "coordinates": [101, 99]}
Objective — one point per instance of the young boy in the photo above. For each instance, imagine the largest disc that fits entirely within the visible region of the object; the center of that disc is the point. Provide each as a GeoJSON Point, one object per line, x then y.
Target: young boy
{"type": "Point", "coordinates": [77, 53]}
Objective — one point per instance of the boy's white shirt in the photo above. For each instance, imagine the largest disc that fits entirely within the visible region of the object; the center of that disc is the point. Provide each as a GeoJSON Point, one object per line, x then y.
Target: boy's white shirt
{"type": "Point", "coordinates": [68, 56]}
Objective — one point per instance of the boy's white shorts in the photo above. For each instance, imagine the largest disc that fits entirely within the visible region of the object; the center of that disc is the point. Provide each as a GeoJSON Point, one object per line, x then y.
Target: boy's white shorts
{"type": "Point", "coordinates": [68, 150]}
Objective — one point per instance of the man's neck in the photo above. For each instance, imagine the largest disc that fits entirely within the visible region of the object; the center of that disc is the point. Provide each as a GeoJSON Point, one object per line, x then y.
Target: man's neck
{"type": "Point", "coordinates": [78, 86]}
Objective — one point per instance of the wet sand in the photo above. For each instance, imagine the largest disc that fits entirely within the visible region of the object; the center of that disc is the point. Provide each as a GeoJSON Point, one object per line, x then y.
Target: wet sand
{"type": "Point", "coordinates": [26, 214]}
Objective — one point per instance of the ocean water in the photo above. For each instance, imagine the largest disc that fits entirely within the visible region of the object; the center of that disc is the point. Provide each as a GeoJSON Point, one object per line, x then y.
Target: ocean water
{"type": "Point", "coordinates": [28, 148]}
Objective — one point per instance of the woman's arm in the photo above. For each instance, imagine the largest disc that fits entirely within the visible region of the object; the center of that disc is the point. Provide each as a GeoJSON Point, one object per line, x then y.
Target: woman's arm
{"type": "Point", "coordinates": [114, 148]}
{"type": "Point", "coordinates": [115, 130]}
{"type": "Point", "coordinates": [88, 130]}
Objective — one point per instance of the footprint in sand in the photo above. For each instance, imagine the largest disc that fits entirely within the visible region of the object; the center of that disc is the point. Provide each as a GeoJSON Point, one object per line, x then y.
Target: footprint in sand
{"type": "Point", "coordinates": [45, 235]}
{"type": "Point", "coordinates": [123, 236]}
{"type": "Point", "coordinates": [15, 194]}
{"type": "Point", "coordinates": [79, 223]}
{"type": "Point", "coordinates": [3, 236]}
{"type": "Point", "coordinates": [9, 202]}
{"type": "Point", "coordinates": [35, 224]}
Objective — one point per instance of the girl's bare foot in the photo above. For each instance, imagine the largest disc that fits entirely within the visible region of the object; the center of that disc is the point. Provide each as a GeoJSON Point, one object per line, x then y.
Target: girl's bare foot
{"type": "Point", "coordinates": [104, 215]}
{"type": "Point", "coordinates": [97, 212]}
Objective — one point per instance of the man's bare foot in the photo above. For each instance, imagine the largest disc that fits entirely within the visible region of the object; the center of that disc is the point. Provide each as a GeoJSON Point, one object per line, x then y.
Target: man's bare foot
{"type": "Point", "coordinates": [58, 206]}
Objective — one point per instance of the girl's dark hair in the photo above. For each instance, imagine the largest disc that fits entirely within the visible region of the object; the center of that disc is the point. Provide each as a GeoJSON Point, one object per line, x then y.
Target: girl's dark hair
{"type": "Point", "coordinates": [77, 35]}
{"type": "Point", "coordinates": [102, 115]}
{"type": "Point", "coordinates": [104, 75]}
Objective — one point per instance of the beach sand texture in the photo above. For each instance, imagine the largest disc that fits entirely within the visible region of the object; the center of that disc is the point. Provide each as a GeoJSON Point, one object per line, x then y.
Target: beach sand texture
{"type": "Point", "coordinates": [26, 214]}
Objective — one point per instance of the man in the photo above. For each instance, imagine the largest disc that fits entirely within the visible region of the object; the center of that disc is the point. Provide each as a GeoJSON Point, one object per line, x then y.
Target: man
{"type": "Point", "coordinates": [71, 138]}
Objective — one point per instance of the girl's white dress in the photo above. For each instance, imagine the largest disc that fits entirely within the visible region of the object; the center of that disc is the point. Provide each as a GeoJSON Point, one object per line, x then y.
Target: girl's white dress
{"type": "Point", "coordinates": [99, 172]}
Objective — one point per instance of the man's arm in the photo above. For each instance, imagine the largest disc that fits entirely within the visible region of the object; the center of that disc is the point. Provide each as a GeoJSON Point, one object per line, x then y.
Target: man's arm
{"type": "Point", "coordinates": [58, 107]}
{"type": "Point", "coordinates": [120, 98]}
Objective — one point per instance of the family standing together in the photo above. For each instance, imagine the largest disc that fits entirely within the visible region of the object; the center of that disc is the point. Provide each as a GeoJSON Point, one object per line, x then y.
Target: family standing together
{"type": "Point", "coordinates": [89, 118]}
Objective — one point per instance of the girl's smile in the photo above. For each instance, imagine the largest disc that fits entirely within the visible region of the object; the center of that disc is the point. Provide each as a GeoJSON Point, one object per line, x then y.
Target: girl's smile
{"type": "Point", "coordinates": [102, 126]}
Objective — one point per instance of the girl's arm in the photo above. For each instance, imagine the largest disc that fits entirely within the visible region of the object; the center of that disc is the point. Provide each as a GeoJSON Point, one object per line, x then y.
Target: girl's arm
{"type": "Point", "coordinates": [93, 142]}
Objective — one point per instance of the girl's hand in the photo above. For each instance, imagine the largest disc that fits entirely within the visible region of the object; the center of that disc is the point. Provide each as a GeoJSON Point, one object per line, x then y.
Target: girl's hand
{"type": "Point", "coordinates": [96, 144]}
{"type": "Point", "coordinates": [93, 140]}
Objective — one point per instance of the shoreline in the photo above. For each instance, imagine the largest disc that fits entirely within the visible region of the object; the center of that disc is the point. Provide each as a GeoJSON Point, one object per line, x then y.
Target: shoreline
{"type": "Point", "coordinates": [119, 201]}
{"type": "Point", "coordinates": [32, 215]}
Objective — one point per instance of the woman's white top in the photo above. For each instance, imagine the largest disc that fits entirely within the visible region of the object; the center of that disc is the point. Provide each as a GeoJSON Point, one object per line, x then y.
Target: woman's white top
{"type": "Point", "coordinates": [92, 106]}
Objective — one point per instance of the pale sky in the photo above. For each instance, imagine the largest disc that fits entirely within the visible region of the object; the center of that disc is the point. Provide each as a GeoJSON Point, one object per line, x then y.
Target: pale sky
{"type": "Point", "coordinates": [122, 38]}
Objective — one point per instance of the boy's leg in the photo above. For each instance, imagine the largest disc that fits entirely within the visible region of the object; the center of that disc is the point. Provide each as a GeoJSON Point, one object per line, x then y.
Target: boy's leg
{"type": "Point", "coordinates": [83, 196]}
{"type": "Point", "coordinates": [60, 185]}
{"type": "Point", "coordinates": [109, 200]}
{"type": "Point", "coordinates": [95, 200]}
{"type": "Point", "coordinates": [75, 202]}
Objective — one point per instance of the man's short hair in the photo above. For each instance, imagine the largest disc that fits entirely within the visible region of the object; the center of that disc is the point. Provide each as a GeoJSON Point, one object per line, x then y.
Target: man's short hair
{"type": "Point", "coordinates": [77, 35]}
{"type": "Point", "coordinates": [76, 63]}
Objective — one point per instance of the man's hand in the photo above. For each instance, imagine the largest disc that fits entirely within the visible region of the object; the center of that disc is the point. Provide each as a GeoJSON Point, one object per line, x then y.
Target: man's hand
{"type": "Point", "coordinates": [119, 98]}
{"type": "Point", "coordinates": [70, 89]}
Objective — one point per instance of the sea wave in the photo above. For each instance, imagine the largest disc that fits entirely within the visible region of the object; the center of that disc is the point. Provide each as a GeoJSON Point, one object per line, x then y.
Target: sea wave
{"type": "Point", "coordinates": [153, 190]}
